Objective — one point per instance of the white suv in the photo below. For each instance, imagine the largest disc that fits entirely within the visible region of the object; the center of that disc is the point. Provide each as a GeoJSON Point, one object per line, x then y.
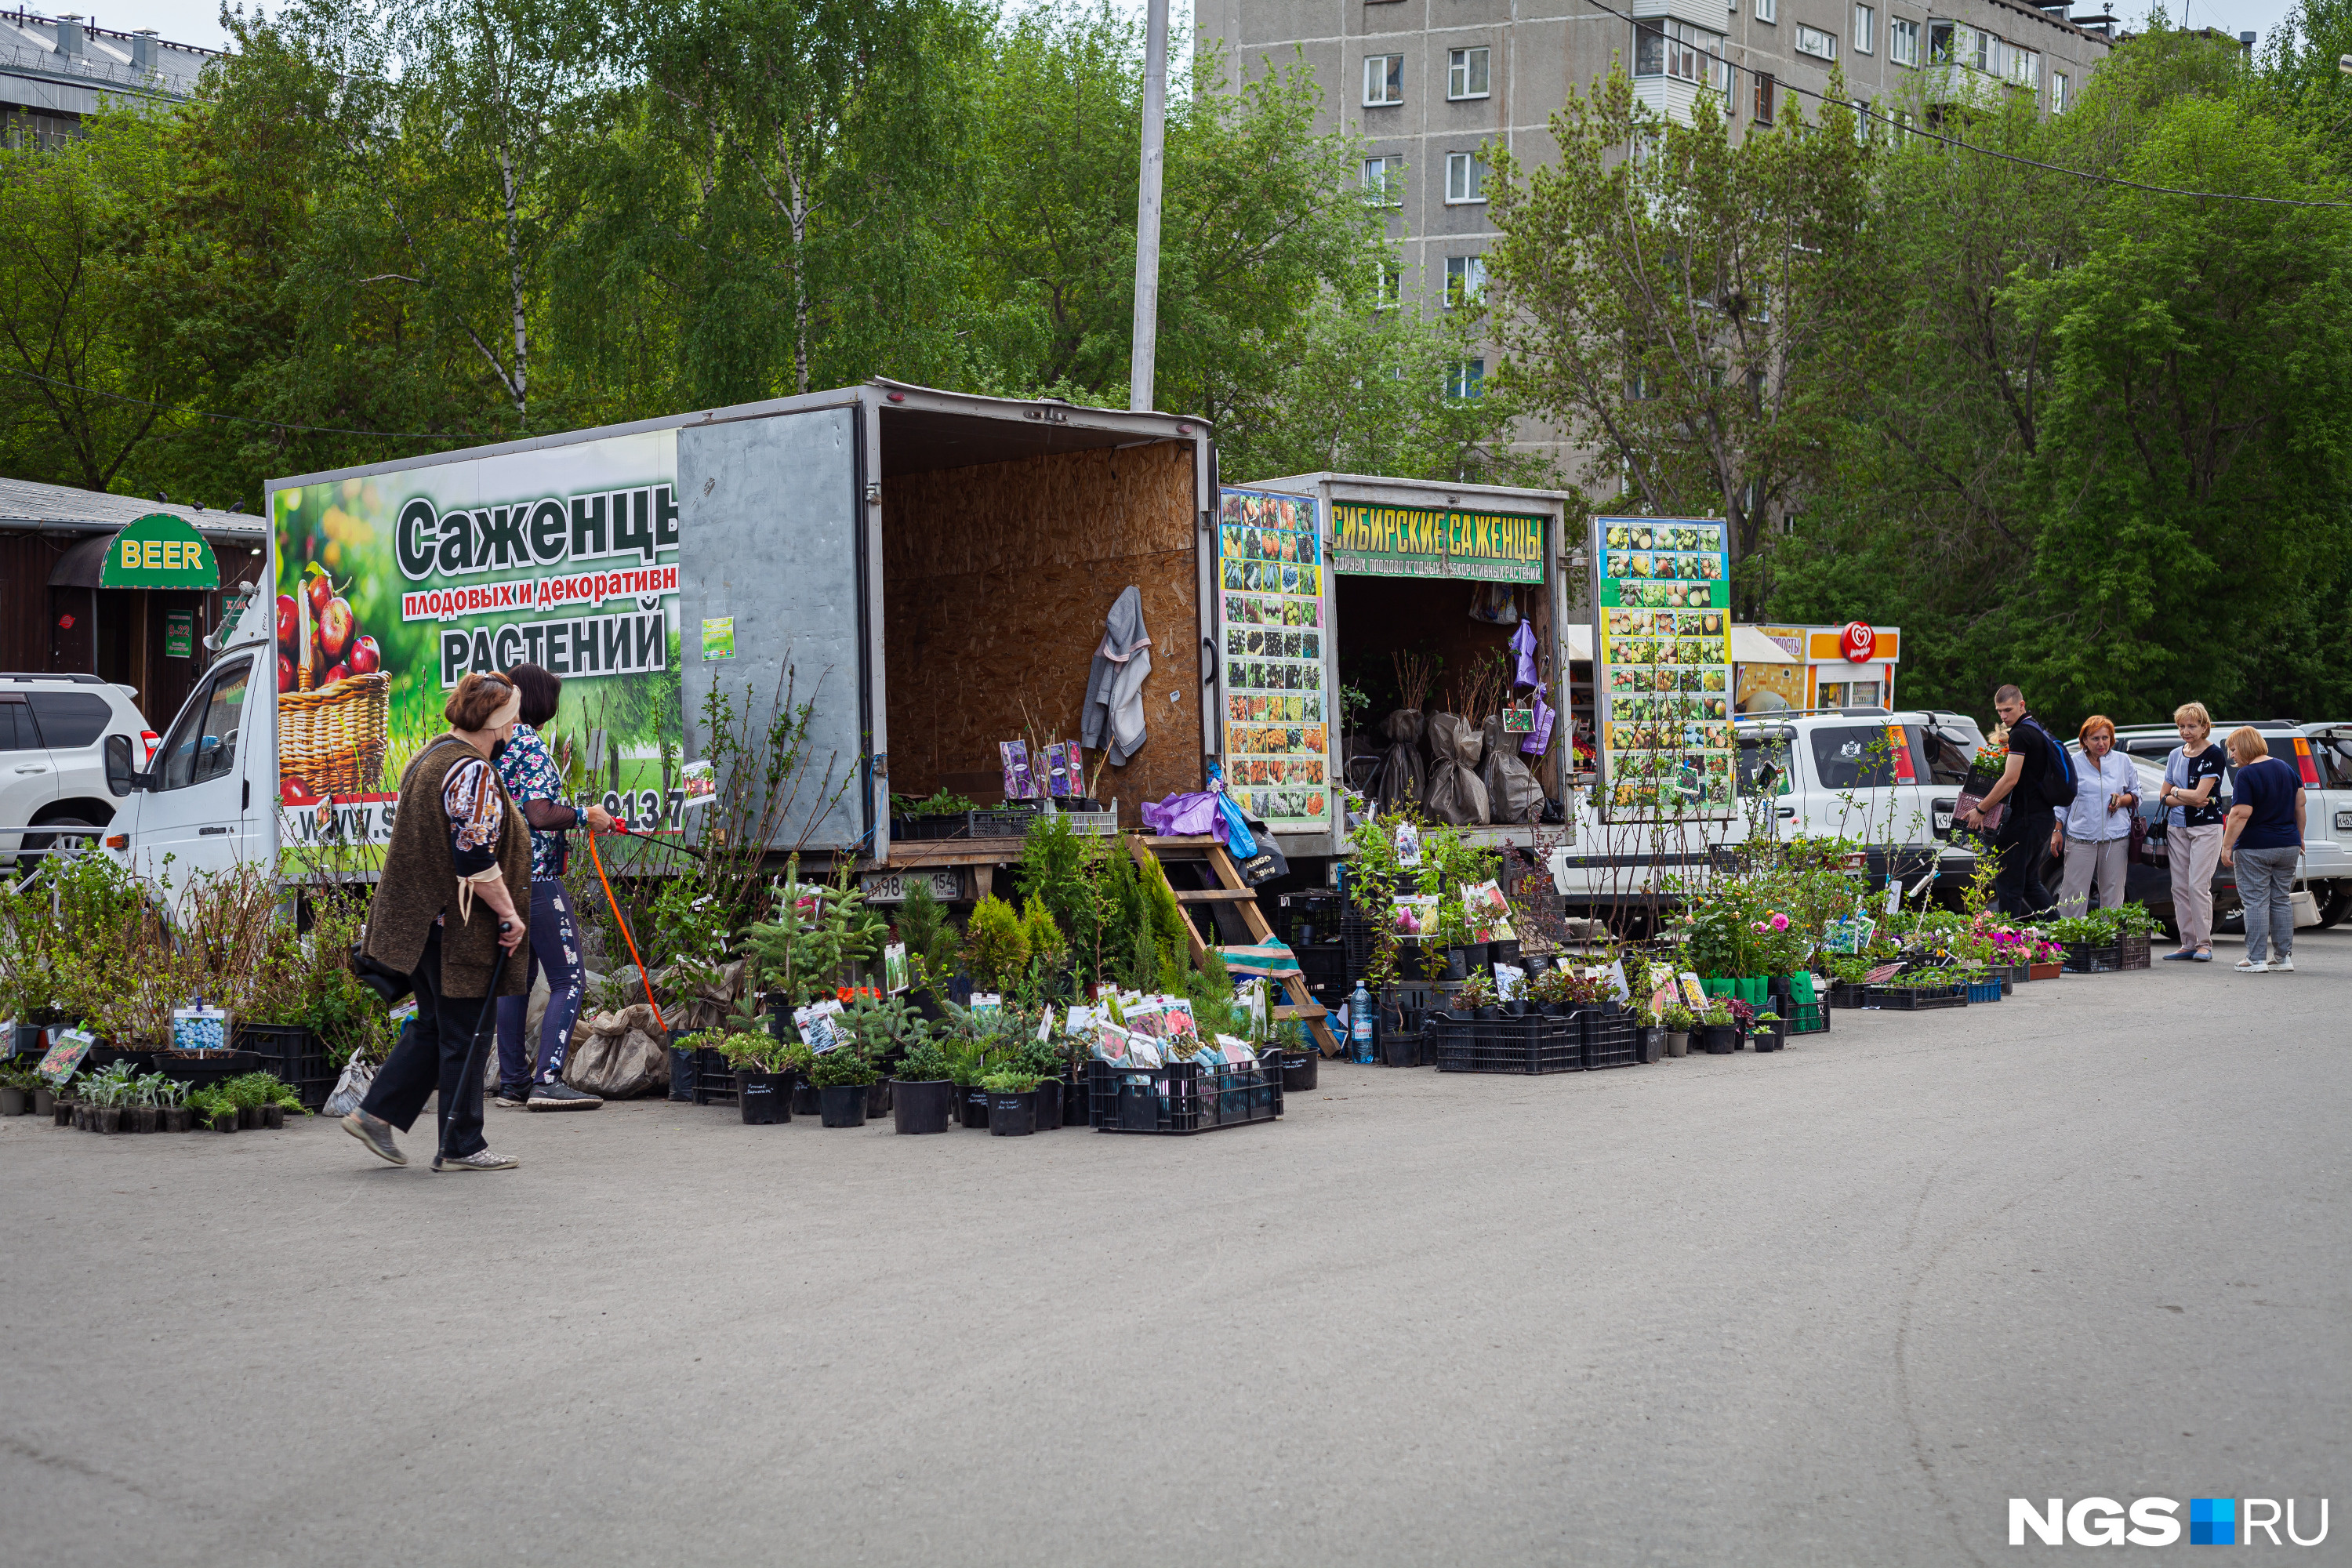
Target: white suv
{"type": "Point", "coordinates": [53, 732]}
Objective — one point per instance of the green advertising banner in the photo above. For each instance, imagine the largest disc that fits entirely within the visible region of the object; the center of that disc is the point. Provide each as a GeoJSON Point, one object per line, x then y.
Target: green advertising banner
{"type": "Point", "coordinates": [1372, 541]}
{"type": "Point", "coordinates": [392, 587]}
{"type": "Point", "coordinates": [160, 551]}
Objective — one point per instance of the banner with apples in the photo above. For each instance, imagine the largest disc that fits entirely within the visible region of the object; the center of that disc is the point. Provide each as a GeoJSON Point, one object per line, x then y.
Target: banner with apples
{"type": "Point", "coordinates": [565, 558]}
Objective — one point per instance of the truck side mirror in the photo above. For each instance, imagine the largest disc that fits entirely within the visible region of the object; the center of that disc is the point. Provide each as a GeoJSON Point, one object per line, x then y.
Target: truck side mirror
{"type": "Point", "coordinates": [122, 778]}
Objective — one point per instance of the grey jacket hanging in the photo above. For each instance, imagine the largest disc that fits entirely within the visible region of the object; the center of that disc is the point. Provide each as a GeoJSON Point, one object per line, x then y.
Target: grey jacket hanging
{"type": "Point", "coordinates": [1113, 721]}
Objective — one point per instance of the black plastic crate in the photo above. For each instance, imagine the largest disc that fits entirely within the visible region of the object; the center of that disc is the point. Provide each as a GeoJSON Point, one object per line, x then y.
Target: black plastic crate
{"type": "Point", "coordinates": [1181, 1098]}
{"type": "Point", "coordinates": [1903, 1000]}
{"type": "Point", "coordinates": [1319, 910]}
{"type": "Point", "coordinates": [2102, 960]}
{"type": "Point", "coordinates": [1404, 1007]}
{"type": "Point", "coordinates": [714, 1076]}
{"type": "Point", "coordinates": [1356, 938]}
{"type": "Point", "coordinates": [1009, 822]}
{"type": "Point", "coordinates": [295, 1054]}
{"type": "Point", "coordinates": [1800, 1018]}
{"type": "Point", "coordinates": [914, 829]}
{"type": "Point", "coordinates": [1534, 1043]}
{"type": "Point", "coordinates": [2132, 953]}
{"type": "Point", "coordinates": [1844, 996]}
{"type": "Point", "coordinates": [1607, 1039]}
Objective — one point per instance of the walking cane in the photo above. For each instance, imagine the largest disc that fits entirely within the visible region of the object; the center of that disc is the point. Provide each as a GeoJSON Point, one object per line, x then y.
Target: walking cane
{"type": "Point", "coordinates": [484, 1030]}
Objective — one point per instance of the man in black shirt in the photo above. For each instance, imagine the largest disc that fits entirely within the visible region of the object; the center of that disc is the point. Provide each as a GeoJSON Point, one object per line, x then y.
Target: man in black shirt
{"type": "Point", "coordinates": [2023, 841]}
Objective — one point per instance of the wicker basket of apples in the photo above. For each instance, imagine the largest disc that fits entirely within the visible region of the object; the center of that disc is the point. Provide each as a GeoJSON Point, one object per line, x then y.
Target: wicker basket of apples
{"type": "Point", "coordinates": [334, 700]}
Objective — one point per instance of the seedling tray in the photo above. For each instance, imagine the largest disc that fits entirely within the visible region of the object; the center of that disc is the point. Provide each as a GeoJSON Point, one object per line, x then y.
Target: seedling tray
{"type": "Point", "coordinates": [1180, 1098]}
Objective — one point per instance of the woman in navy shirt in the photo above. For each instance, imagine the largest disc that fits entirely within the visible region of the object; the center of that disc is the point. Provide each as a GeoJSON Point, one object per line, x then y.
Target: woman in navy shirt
{"type": "Point", "coordinates": [2263, 839]}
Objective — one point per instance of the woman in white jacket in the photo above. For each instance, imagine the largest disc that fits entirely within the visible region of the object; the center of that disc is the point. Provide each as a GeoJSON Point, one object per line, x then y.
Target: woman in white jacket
{"type": "Point", "coordinates": [2095, 832]}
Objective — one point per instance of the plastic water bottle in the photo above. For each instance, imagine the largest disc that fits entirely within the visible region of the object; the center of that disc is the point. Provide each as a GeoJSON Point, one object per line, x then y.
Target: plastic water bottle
{"type": "Point", "coordinates": [1360, 1023]}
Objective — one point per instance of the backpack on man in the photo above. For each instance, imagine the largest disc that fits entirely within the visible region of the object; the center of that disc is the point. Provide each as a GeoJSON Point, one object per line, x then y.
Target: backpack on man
{"type": "Point", "coordinates": [2057, 787]}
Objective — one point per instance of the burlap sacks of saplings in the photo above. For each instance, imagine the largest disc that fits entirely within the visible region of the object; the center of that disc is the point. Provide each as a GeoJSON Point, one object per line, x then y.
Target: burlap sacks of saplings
{"type": "Point", "coordinates": [1455, 794]}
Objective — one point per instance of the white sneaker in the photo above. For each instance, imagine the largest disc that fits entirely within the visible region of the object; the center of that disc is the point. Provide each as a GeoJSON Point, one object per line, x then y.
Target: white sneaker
{"type": "Point", "coordinates": [2250, 966]}
{"type": "Point", "coordinates": [480, 1159]}
{"type": "Point", "coordinates": [2282, 967]}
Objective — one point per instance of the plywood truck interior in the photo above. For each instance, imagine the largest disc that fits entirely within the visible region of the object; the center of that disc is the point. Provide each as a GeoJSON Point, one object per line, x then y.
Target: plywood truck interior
{"type": "Point", "coordinates": [1004, 545]}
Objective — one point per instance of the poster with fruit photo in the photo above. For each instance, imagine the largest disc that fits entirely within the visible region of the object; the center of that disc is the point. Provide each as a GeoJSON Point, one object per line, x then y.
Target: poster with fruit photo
{"type": "Point", "coordinates": [392, 585]}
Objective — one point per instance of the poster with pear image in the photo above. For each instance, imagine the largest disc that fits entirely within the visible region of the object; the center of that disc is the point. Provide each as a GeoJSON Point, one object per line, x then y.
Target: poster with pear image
{"type": "Point", "coordinates": [1662, 676]}
{"type": "Point", "coordinates": [391, 587]}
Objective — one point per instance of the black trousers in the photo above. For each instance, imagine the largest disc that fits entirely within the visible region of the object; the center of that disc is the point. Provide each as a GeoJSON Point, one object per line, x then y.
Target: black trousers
{"type": "Point", "coordinates": [2024, 846]}
{"type": "Point", "coordinates": [431, 1056]}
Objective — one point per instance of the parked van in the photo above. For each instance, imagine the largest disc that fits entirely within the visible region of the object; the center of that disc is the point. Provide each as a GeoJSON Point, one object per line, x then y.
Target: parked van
{"type": "Point", "coordinates": [1887, 779]}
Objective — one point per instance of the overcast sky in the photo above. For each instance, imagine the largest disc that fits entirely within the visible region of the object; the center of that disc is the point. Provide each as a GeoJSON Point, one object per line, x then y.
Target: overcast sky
{"type": "Point", "coordinates": [198, 21]}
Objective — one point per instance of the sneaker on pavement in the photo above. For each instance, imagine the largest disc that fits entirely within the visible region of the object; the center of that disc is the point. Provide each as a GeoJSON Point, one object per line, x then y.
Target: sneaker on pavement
{"type": "Point", "coordinates": [511, 1099]}
{"type": "Point", "coordinates": [562, 1097]}
{"type": "Point", "coordinates": [376, 1133]}
{"type": "Point", "coordinates": [480, 1159]}
{"type": "Point", "coordinates": [2252, 967]}
{"type": "Point", "coordinates": [2282, 965]}
{"type": "Point", "coordinates": [2186, 956]}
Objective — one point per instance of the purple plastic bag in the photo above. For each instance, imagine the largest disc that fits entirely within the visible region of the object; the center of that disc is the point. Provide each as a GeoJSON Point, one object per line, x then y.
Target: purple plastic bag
{"type": "Point", "coordinates": [1523, 643]}
{"type": "Point", "coordinates": [1538, 739]}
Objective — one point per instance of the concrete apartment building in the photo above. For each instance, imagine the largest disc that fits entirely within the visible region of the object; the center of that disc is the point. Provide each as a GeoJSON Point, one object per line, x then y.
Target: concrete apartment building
{"type": "Point", "coordinates": [1427, 81]}
{"type": "Point", "coordinates": [55, 70]}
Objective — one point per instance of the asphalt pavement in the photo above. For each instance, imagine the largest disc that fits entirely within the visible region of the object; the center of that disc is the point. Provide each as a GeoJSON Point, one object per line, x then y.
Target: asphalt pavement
{"type": "Point", "coordinates": [1832, 1306]}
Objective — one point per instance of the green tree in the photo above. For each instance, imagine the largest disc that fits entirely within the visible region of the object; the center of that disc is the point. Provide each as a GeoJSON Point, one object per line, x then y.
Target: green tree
{"type": "Point", "coordinates": [1680, 310]}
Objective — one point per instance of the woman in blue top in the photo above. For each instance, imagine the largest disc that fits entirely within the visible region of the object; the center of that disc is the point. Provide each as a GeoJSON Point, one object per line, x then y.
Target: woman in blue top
{"type": "Point", "coordinates": [2263, 839]}
{"type": "Point", "coordinates": [2192, 776]}
{"type": "Point", "coordinates": [2095, 832]}
{"type": "Point", "coordinates": [530, 777]}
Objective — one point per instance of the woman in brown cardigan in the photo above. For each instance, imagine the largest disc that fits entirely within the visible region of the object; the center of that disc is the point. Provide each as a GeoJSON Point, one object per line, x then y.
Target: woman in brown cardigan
{"type": "Point", "coordinates": [457, 869]}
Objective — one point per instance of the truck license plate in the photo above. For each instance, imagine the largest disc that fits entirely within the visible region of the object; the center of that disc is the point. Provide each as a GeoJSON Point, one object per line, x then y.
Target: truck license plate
{"type": "Point", "coordinates": [892, 887]}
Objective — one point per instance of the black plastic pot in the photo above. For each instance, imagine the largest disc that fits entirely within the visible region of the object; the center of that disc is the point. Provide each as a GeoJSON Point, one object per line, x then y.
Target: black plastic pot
{"type": "Point", "coordinates": [273, 1119]}
{"type": "Point", "coordinates": [249, 1117]}
{"type": "Point", "coordinates": [177, 1119]}
{"type": "Point", "coordinates": [973, 1102]}
{"type": "Point", "coordinates": [841, 1105]}
{"type": "Point", "coordinates": [224, 1121]}
{"type": "Point", "coordinates": [1457, 964]}
{"type": "Point", "coordinates": [921, 1106]}
{"type": "Point", "coordinates": [1013, 1115]}
{"type": "Point", "coordinates": [766, 1098]}
{"type": "Point", "coordinates": [11, 1103]}
{"type": "Point", "coordinates": [804, 1101]}
{"type": "Point", "coordinates": [64, 1114]}
{"type": "Point", "coordinates": [1648, 1044]}
{"type": "Point", "coordinates": [1075, 1094]}
{"type": "Point", "coordinates": [877, 1098]}
{"type": "Point", "coordinates": [1515, 1009]}
{"type": "Point", "coordinates": [1720, 1040]}
{"type": "Point", "coordinates": [106, 1119]}
{"type": "Point", "coordinates": [1049, 1104]}
{"type": "Point", "coordinates": [45, 1103]}
{"type": "Point", "coordinates": [1298, 1070]}
{"type": "Point", "coordinates": [1771, 1036]}
{"type": "Point", "coordinates": [1401, 1050]}
{"type": "Point", "coordinates": [1488, 1014]}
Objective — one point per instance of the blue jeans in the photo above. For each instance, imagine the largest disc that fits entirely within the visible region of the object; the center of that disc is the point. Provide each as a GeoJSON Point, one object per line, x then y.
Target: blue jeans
{"type": "Point", "coordinates": [2266, 886]}
{"type": "Point", "coordinates": [554, 948]}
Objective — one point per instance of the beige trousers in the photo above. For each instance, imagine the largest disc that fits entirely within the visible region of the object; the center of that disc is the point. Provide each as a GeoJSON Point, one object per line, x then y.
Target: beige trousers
{"type": "Point", "coordinates": [2107, 858]}
{"type": "Point", "coordinates": [2195, 852]}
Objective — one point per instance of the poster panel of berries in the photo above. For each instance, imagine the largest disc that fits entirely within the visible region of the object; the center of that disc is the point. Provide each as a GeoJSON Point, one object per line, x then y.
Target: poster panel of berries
{"type": "Point", "coordinates": [392, 586]}
{"type": "Point", "coordinates": [1662, 675]}
{"type": "Point", "coordinates": [1272, 622]}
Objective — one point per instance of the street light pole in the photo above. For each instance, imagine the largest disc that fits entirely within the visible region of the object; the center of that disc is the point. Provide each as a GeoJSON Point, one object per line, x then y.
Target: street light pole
{"type": "Point", "coordinates": [1147, 209]}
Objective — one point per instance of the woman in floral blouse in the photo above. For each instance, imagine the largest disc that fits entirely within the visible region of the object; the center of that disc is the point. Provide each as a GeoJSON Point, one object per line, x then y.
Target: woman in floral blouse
{"type": "Point", "coordinates": [530, 777]}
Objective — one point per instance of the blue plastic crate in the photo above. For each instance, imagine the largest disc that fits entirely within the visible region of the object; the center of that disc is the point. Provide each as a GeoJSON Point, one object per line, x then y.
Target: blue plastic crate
{"type": "Point", "coordinates": [1984, 991]}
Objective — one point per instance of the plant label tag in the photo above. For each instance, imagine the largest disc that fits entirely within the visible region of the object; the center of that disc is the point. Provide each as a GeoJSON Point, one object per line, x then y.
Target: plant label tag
{"type": "Point", "coordinates": [1046, 1025]}
{"type": "Point", "coordinates": [199, 1028]}
{"type": "Point", "coordinates": [1694, 993]}
{"type": "Point", "coordinates": [67, 1055]}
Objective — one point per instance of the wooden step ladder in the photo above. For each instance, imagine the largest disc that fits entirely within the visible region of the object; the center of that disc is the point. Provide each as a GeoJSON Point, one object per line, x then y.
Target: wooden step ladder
{"type": "Point", "coordinates": [1243, 898]}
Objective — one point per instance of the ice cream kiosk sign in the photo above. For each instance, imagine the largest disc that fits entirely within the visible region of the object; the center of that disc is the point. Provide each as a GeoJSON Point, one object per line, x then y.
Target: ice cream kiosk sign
{"type": "Point", "coordinates": [1850, 665]}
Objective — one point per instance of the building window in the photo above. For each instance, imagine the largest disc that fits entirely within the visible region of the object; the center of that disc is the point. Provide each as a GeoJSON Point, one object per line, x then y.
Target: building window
{"type": "Point", "coordinates": [1466, 178]}
{"type": "Point", "coordinates": [2057, 92]}
{"type": "Point", "coordinates": [1466, 279]}
{"type": "Point", "coordinates": [1384, 180]}
{"type": "Point", "coordinates": [1383, 80]}
{"type": "Point", "coordinates": [1667, 47]}
{"type": "Point", "coordinates": [1941, 43]}
{"type": "Point", "coordinates": [1388, 286]}
{"type": "Point", "coordinates": [2025, 68]}
{"type": "Point", "coordinates": [1467, 73]}
{"type": "Point", "coordinates": [1767, 10]}
{"type": "Point", "coordinates": [1865, 23]}
{"type": "Point", "coordinates": [1903, 42]}
{"type": "Point", "coordinates": [1466, 380]}
{"type": "Point", "coordinates": [38, 131]}
{"type": "Point", "coordinates": [1813, 41]}
{"type": "Point", "coordinates": [1763, 99]}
